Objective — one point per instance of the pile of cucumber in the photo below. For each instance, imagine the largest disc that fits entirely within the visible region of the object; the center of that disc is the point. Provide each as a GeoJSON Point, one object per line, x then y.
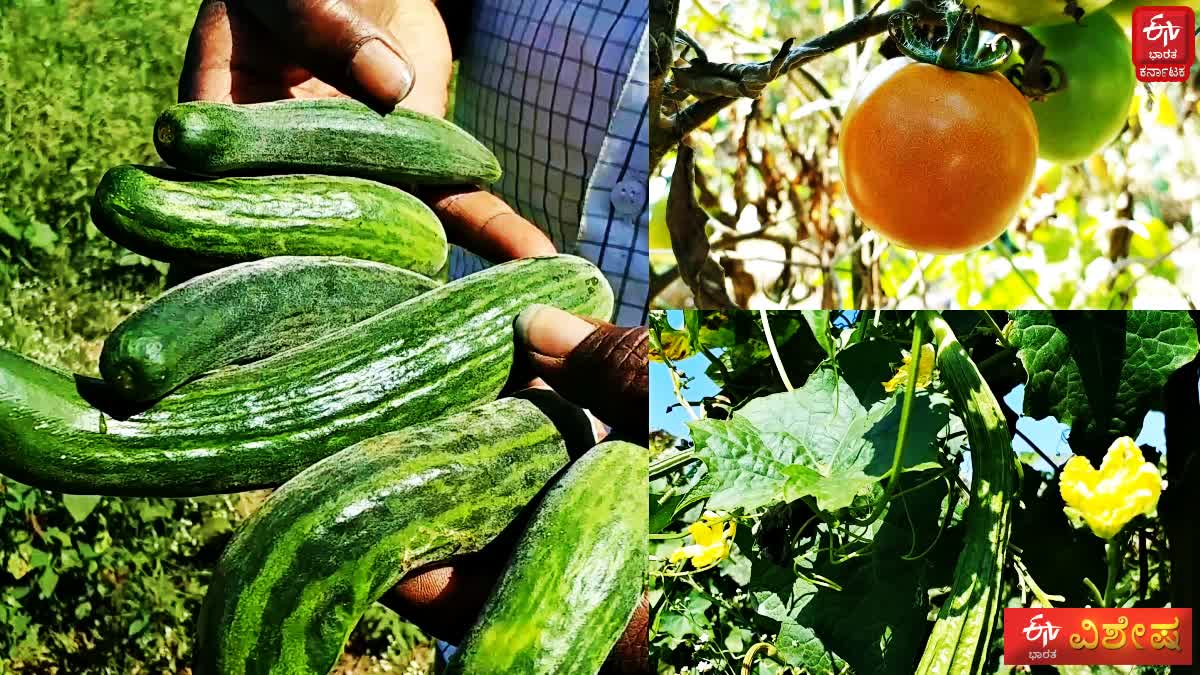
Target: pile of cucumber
{"type": "Point", "coordinates": [324, 356]}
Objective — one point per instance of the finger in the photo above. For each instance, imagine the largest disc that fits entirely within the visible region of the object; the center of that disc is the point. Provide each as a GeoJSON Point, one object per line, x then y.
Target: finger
{"type": "Point", "coordinates": [207, 73]}
{"type": "Point", "coordinates": [229, 59]}
{"type": "Point", "coordinates": [486, 225]}
{"type": "Point", "coordinates": [445, 600]}
{"type": "Point", "coordinates": [340, 44]}
{"type": "Point", "coordinates": [596, 365]}
{"type": "Point", "coordinates": [631, 654]}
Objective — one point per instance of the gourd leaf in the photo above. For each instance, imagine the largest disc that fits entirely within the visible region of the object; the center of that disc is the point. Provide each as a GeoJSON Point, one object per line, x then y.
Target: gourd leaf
{"type": "Point", "coordinates": [818, 322]}
{"type": "Point", "coordinates": [819, 441]}
{"type": "Point", "coordinates": [1099, 372]}
{"type": "Point", "coordinates": [874, 619]}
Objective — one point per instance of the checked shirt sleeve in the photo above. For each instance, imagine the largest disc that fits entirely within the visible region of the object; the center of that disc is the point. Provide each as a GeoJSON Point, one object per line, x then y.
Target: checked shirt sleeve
{"type": "Point", "coordinates": [616, 212]}
{"type": "Point", "coordinates": [547, 85]}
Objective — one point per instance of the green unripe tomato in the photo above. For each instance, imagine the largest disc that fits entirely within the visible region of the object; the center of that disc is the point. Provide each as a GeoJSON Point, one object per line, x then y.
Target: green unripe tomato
{"type": "Point", "coordinates": [1034, 12]}
{"type": "Point", "coordinates": [1075, 123]}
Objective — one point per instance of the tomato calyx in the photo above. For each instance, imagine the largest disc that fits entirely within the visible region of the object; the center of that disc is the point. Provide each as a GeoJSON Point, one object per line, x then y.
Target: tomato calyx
{"type": "Point", "coordinates": [1049, 77]}
{"type": "Point", "coordinates": [959, 50]}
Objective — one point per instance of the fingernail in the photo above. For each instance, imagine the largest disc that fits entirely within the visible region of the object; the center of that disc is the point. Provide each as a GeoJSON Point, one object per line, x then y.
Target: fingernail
{"type": "Point", "coordinates": [383, 73]}
{"type": "Point", "coordinates": [550, 331]}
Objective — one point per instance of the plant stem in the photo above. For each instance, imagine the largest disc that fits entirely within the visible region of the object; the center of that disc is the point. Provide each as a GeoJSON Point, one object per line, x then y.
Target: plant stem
{"type": "Point", "coordinates": [1113, 552]}
{"type": "Point", "coordinates": [996, 329]}
{"type": "Point", "coordinates": [906, 407]}
{"type": "Point", "coordinates": [1007, 255]}
{"type": "Point", "coordinates": [1099, 597]}
{"type": "Point", "coordinates": [748, 661]}
{"type": "Point", "coordinates": [766, 322]}
{"type": "Point", "coordinates": [674, 460]}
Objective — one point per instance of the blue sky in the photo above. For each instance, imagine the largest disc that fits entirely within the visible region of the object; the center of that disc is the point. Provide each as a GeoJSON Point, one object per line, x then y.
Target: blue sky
{"type": "Point", "coordinates": [1048, 434]}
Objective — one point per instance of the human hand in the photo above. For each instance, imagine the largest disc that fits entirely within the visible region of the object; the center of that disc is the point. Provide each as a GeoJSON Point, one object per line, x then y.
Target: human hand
{"type": "Point", "coordinates": [250, 51]}
{"type": "Point", "coordinates": [597, 366]}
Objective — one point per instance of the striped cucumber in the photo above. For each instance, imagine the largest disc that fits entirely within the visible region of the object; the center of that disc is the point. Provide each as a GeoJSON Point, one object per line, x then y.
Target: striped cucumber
{"type": "Point", "coordinates": [576, 576]}
{"type": "Point", "coordinates": [260, 424]}
{"type": "Point", "coordinates": [244, 313]}
{"type": "Point", "coordinates": [170, 216]}
{"type": "Point", "coordinates": [329, 136]}
{"type": "Point", "coordinates": [300, 573]}
{"type": "Point", "coordinates": [958, 643]}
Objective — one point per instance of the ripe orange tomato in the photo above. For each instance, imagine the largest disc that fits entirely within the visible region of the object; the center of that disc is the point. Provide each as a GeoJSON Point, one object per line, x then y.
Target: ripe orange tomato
{"type": "Point", "coordinates": [937, 160]}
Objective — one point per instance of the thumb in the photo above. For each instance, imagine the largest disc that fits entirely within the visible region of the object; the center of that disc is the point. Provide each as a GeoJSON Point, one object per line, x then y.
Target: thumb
{"type": "Point", "coordinates": [596, 365]}
{"type": "Point", "coordinates": [343, 46]}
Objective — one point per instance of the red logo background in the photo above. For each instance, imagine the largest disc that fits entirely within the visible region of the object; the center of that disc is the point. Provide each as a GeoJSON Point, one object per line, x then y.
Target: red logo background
{"type": "Point", "coordinates": [1161, 54]}
{"type": "Point", "coordinates": [1117, 637]}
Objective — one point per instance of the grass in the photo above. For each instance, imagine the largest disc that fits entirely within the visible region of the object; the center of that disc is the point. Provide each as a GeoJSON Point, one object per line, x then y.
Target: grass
{"type": "Point", "coordinates": [81, 83]}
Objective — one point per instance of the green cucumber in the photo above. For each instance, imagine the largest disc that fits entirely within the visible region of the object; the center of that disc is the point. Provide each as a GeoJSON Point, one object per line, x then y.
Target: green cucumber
{"type": "Point", "coordinates": [958, 643]}
{"type": "Point", "coordinates": [170, 216]}
{"type": "Point", "coordinates": [260, 424]}
{"type": "Point", "coordinates": [300, 573]}
{"type": "Point", "coordinates": [244, 313]}
{"type": "Point", "coordinates": [331, 136]}
{"type": "Point", "coordinates": [576, 576]}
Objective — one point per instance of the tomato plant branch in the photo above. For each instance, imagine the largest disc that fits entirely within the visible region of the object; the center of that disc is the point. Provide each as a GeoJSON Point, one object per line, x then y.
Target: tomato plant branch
{"type": "Point", "coordinates": [671, 130]}
{"type": "Point", "coordinates": [1007, 255]}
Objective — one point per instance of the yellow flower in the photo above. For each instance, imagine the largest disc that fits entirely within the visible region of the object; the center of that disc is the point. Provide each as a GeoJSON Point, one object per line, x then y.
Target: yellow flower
{"type": "Point", "coordinates": [1126, 486]}
{"type": "Point", "coordinates": [675, 346]}
{"type": "Point", "coordinates": [713, 540]}
{"type": "Point", "coordinates": [924, 374]}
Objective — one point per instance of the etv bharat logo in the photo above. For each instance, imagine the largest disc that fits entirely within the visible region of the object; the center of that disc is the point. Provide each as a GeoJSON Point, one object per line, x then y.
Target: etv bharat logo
{"type": "Point", "coordinates": [1045, 632]}
{"type": "Point", "coordinates": [1163, 48]}
{"type": "Point", "coordinates": [1166, 32]}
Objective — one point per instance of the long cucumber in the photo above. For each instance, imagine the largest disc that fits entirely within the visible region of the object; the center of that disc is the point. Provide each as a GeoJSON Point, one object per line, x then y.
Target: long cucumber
{"type": "Point", "coordinates": [576, 576]}
{"type": "Point", "coordinates": [330, 136]}
{"type": "Point", "coordinates": [300, 573]}
{"type": "Point", "coordinates": [174, 217]}
{"type": "Point", "coordinates": [246, 312]}
{"type": "Point", "coordinates": [260, 424]}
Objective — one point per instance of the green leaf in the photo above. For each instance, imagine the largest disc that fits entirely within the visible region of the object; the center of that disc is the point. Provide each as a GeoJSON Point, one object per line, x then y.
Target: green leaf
{"type": "Point", "coordinates": [818, 322]}
{"type": "Point", "coordinates": [80, 506]}
{"type": "Point", "coordinates": [7, 227]}
{"type": "Point", "coordinates": [47, 582]}
{"type": "Point", "coordinates": [867, 365]}
{"type": "Point", "coordinates": [1099, 372]}
{"type": "Point", "coordinates": [749, 464]}
{"type": "Point", "coordinates": [800, 647]}
{"type": "Point", "coordinates": [819, 441]}
{"type": "Point", "coordinates": [18, 565]}
{"type": "Point", "coordinates": [875, 616]}
{"type": "Point", "coordinates": [40, 236]}
{"type": "Point", "coordinates": [138, 625]}
{"type": "Point", "coordinates": [37, 557]}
